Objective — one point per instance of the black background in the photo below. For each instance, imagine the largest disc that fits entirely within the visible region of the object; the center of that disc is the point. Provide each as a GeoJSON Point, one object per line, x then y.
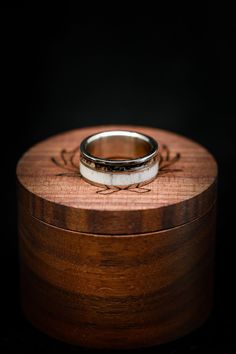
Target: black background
{"type": "Point", "coordinates": [172, 69]}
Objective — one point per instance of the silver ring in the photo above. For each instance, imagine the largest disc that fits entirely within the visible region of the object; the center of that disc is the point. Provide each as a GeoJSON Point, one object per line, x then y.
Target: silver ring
{"type": "Point", "coordinates": [119, 158]}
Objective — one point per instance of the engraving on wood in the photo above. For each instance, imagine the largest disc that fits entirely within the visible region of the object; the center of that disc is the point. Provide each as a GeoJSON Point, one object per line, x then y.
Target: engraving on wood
{"type": "Point", "coordinates": [66, 160]}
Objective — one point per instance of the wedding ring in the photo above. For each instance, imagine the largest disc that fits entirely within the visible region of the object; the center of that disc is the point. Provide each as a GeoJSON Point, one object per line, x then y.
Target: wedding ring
{"type": "Point", "coordinates": [119, 158]}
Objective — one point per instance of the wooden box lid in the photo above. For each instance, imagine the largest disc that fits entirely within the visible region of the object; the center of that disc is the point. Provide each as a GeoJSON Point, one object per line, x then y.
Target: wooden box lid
{"type": "Point", "coordinates": [51, 189]}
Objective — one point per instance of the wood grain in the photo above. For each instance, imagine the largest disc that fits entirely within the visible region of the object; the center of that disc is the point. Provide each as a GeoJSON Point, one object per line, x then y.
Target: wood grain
{"type": "Point", "coordinates": [116, 269]}
{"type": "Point", "coordinates": [121, 291]}
{"type": "Point", "coordinates": [185, 192]}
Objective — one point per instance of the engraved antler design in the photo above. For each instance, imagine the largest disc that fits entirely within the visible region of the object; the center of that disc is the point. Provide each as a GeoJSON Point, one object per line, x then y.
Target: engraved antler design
{"type": "Point", "coordinates": [66, 161]}
{"type": "Point", "coordinates": [165, 161]}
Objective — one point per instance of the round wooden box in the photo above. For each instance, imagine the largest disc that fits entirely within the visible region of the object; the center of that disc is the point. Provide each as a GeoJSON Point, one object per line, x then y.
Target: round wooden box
{"type": "Point", "coordinates": [109, 268]}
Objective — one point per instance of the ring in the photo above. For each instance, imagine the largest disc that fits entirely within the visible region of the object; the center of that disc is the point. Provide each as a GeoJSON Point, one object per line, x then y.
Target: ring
{"type": "Point", "coordinates": [119, 158]}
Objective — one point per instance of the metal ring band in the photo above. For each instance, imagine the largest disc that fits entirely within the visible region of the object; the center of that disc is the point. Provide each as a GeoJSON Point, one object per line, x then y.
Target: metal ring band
{"type": "Point", "coordinates": [119, 158]}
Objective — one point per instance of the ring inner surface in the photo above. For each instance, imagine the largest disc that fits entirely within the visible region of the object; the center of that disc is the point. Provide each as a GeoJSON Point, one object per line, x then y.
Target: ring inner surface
{"type": "Point", "coordinates": [118, 148]}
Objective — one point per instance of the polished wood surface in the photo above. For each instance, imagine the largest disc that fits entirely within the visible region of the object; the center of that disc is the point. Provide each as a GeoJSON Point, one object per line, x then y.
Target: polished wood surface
{"type": "Point", "coordinates": [109, 268]}
{"type": "Point", "coordinates": [55, 192]}
{"type": "Point", "coordinates": [122, 291]}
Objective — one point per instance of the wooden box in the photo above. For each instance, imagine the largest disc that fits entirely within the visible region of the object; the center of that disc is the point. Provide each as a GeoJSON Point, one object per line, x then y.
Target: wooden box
{"type": "Point", "coordinates": [111, 268]}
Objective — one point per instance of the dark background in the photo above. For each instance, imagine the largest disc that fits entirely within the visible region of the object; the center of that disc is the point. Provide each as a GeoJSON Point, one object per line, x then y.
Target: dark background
{"type": "Point", "coordinates": [174, 69]}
